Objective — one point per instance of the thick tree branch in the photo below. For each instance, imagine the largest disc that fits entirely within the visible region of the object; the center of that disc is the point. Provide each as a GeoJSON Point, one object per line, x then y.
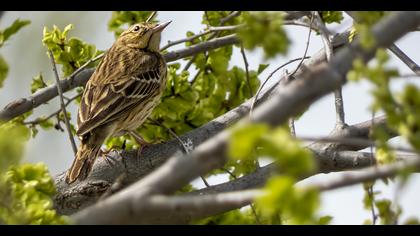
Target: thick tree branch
{"type": "Point", "coordinates": [300, 93]}
{"type": "Point", "coordinates": [81, 194]}
{"type": "Point", "coordinates": [183, 209]}
{"type": "Point", "coordinates": [71, 198]}
{"type": "Point", "coordinates": [22, 105]}
{"type": "Point", "coordinates": [162, 209]}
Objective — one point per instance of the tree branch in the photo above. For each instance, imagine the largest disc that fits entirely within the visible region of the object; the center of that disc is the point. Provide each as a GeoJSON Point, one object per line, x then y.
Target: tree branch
{"type": "Point", "coordinates": [210, 30]}
{"type": "Point", "coordinates": [338, 96]}
{"type": "Point", "coordinates": [180, 170]}
{"type": "Point", "coordinates": [161, 209]}
{"type": "Point", "coordinates": [71, 198]}
{"type": "Point", "coordinates": [22, 105]}
{"type": "Point", "coordinates": [406, 59]}
{"type": "Point", "coordinates": [81, 194]}
{"type": "Point", "coordinates": [370, 174]}
{"type": "Point", "coordinates": [395, 49]}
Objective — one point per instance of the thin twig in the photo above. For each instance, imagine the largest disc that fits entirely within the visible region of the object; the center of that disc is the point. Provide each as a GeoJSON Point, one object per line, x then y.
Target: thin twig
{"type": "Point", "coordinates": [195, 77]}
{"type": "Point", "coordinates": [39, 120]}
{"type": "Point", "coordinates": [370, 189]}
{"type": "Point", "coordinates": [352, 142]}
{"type": "Point", "coordinates": [338, 96]}
{"type": "Point", "coordinates": [306, 48]}
{"type": "Point", "coordinates": [292, 127]}
{"type": "Point", "coordinates": [248, 82]}
{"type": "Point", "coordinates": [266, 80]}
{"type": "Point", "coordinates": [191, 38]}
{"type": "Point", "coordinates": [406, 76]}
{"type": "Point", "coordinates": [213, 35]}
{"type": "Point", "coordinates": [190, 62]}
{"type": "Point", "coordinates": [406, 59]}
{"type": "Point", "coordinates": [229, 17]}
{"type": "Point", "coordinates": [153, 14]}
{"type": "Point", "coordinates": [63, 106]}
{"type": "Point", "coordinates": [85, 65]}
{"type": "Point", "coordinates": [300, 23]}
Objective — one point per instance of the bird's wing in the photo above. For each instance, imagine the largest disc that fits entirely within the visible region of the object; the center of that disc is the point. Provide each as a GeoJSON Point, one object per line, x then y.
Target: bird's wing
{"type": "Point", "coordinates": [109, 95]}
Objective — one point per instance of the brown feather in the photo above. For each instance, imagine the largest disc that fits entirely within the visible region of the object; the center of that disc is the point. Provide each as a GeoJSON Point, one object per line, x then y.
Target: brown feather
{"type": "Point", "coordinates": [122, 92]}
{"type": "Point", "coordinates": [83, 163]}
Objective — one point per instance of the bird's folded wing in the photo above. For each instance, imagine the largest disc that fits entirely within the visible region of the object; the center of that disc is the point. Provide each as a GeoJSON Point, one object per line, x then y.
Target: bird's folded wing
{"type": "Point", "coordinates": [104, 103]}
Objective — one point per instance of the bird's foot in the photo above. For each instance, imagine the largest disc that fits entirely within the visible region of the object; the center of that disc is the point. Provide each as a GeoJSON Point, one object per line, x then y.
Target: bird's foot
{"type": "Point", "coordinates": [143, 144]}
{"type": "Point", "coordinates": [108, 157]}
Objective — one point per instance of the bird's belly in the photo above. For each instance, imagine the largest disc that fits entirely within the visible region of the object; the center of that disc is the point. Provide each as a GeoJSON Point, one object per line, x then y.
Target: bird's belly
{"type": "Point", "coordinates": [136, 117]}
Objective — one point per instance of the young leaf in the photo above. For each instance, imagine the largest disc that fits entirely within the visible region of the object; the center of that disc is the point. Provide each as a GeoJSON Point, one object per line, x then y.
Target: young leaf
{"type": "Point", "coordinates": [11, 30]}
{"type": "Point", "coordinates": [4, 70]}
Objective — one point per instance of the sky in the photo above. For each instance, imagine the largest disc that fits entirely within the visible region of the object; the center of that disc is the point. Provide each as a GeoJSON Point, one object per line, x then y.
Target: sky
{"type": "Point", "coordinates": [27, 57]}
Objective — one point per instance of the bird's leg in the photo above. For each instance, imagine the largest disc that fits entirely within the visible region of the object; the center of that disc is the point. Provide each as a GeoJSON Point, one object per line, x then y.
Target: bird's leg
{"type": "Point", "coordinates": [143, 143]}
{"type": "Point", "coordinates": [105, 154]}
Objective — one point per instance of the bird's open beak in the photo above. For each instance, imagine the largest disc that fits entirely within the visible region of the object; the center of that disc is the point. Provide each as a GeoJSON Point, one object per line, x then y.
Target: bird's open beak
{"type": "Point", "coordinates": [160, 27]}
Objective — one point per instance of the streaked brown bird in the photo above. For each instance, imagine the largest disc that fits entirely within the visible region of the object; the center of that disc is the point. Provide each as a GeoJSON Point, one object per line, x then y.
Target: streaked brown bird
{"type": "Point", "coordinates": [121, 94]}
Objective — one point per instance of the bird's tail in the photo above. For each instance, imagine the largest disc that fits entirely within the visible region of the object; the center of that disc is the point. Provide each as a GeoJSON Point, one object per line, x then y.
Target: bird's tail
{"type": "Point", "coordinates": [82, 164]}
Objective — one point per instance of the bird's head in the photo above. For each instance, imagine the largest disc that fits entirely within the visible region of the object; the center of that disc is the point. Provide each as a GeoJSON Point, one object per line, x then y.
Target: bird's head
{"type": "Point", "coordinates": [143, 36]}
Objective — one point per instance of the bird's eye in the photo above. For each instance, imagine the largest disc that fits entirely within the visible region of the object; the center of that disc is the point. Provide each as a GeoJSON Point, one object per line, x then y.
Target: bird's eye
{"type": "Point", "coordinates": [136, 28]}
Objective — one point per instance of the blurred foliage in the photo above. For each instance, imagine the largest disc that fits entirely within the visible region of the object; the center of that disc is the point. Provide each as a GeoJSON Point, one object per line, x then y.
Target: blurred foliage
{"type": "Point", "coordinates": [282, 203]}
{"type": "Point", "coordinates": [255, 140]}
{"type": "Point", "coordinates": [5, 34]}
{"type": "Point", "coordinates": [121, 19]}
{"type": "Point", "coordinates": [234, 217]}
{"type": "Point", "coordinates": [26, 194]}
{"type": "Point", "coordinates": [365, 20]}
{"type": "Point", "coordinates": [287, 203]}
{"type": "Point", "coordinates": [401, 108]}
{"type": "Point", "coordinates": [402, 111]}
{"type": "Point", "coordinates": [11, 30]}
{"type": "Point", "coordinates": [26, 190]}
{"type": "Point", "coordinates": [264, 29]}
{"type": "Point", "coordinates": [4, 70]}
{"type": "Point", "coordinates": [331, 16]}
{"type": "Point", "coordinates": [72, 52]}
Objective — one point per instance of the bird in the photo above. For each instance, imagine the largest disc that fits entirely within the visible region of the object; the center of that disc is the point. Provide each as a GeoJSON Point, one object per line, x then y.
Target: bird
{"type": "Point", "coordinates": [121, 93]}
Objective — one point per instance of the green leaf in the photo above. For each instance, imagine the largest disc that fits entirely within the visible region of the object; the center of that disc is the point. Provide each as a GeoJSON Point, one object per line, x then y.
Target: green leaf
{"type": "Point", "coordinates": [12, 140]}
{"type": "Point", "coordinates": [71, 53]}
{"type": "Point", "coordinates": [4, 70]}
{"type": "Point", "coordinates": [11, 30]}
{"type": "Point", "coordinates": [37, 83]}
{"type": "Point", "coordinates": [244, 139]}
{"type": "Point", "coordinates": [331, 16]}
{"type": "Point", "coordinates": [299, 206]}
{"type": "Point", "coordinates": [264, 29]}
{"type": "Point", "coordinates": [325, 220]}
{"type": "Point", "coordinates": [119, 19]}
{"type": "Point", "coordinates": [29, 191]}
{"type": "Point", "coordinates": [262, 67]}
